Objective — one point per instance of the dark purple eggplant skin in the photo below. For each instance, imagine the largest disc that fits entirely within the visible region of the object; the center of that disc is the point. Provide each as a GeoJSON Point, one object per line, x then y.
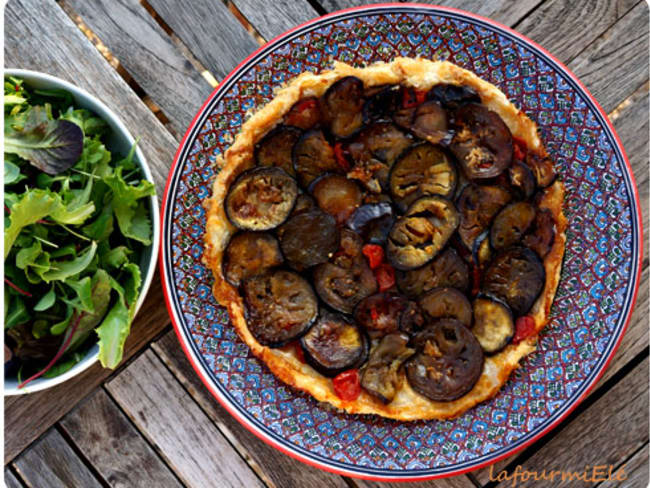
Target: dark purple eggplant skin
{"type": "Point", "coordinates": [308, 239]}
{"type": "Point", "coordinates": [447, 303]}
{"type": "Point", "coordinates": [447, 269]}
{"type": "Point", "coordinates": [542, 168]}
{"type": "Point", "coordinates": [276, 148]}
{"type": "Point", "coordinates": [522, 179]}
{"type": "Point", "coordinates": [413, 318]}
{"type": "Point", "coordinates": [452, 96]}
{"type": "Point", "coordinates": [250, 253]}
{"type": "Point", "coordinates": [430, 123]}
{"type": "Point", "coordinates": [510, 224]}
{"type": "Point", "coordinates": [388, 309]}
{"type": "Point", "coordinates": [379, 106]}
{"type": "Point", "coordinates": [373, 222]}
{"type": "Point", "coordinates": [313, 156]}
{"type": "Point", "coordinates": [342, 106]}
{"type": "Point", "coordinates": [542, 235]}
{"type": "Point", "coordinates": [477, 206]}
{"type": "Point", "coordinates": [328, 328]}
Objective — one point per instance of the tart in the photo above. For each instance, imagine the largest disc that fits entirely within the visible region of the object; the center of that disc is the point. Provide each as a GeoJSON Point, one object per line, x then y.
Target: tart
{"type": "Point", "coordinates": [388, 239]}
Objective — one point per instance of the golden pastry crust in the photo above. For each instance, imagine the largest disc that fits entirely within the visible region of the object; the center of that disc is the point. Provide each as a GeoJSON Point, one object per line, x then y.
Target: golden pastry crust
{"type": "Point", "coordinates": [283, 362]}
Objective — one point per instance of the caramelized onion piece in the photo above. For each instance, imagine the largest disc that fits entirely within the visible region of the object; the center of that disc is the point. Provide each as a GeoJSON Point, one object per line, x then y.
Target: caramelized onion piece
{"type": "Point", "coordinates": [477, 206]}
{"type": "Point", "coordinates": [447, 303]}
{"type": "Point", "coordinates": [510, 224]}
{"type": "Point", "coordinates": [308, 239]}
{"type": "Point", "coordinates": [248, 254]}
{"type": "Point", "coordinates": [276, 148]}
{"type": "Point", "coordinates": [380, 376]}
{"type": "Point", "coordinates": [448, 269]}
{"type": "Point", "coordinates": [313, 156]}
{"type": "Point", "coordinates": [337, 195]}
{"type": "Point", "coordinates": [342, 104]}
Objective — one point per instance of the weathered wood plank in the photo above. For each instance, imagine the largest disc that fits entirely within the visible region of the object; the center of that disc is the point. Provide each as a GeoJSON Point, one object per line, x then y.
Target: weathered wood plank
{"type": "Point", "coordinates": [149, 55]}
{"type": "Point", "coordinates": [504, 11]}
{"type": "Point", "coordinates": [632, 474]}
{"type": "Point", "coordinates": [271, 19]}
{"type": "Point", "coordinates": [28, 416]}
{"type": "Point", "coordinates": [11, 481]}
{"type": "Point", "coordinates": [607, 433]}
{"type": "Point", "coordinates": [461, 481]}
{"type": "Point", "coordinates": [616, 64]}
{"type": "Point", "coordinates": [168, 417]}
{"type": "Point", "coordinates": [276, 468]}
{"type": "Point", "coordinates": [210, 31]}
{"type": "Point", "coordinates": [69, 55]}
{"type": "Point", "coordinates": [51, 462]}
{"type": "Point", "coordinates": [115, 448]}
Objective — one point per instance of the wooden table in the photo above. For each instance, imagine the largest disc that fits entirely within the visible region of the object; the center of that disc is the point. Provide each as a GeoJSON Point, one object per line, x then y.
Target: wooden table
{"type": "Point", "coordinates": [151, 422]}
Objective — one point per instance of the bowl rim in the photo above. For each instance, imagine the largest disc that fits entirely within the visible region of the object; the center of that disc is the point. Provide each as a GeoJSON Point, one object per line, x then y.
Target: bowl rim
{"type": "Point", "coordinates": [121, 131]}
{"type": "Point", "coordinates": [413, 8]}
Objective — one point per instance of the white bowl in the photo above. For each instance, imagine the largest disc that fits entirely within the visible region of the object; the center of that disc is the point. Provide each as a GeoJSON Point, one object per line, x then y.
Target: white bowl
{"type": "Point", "coordinates": [119, 141]}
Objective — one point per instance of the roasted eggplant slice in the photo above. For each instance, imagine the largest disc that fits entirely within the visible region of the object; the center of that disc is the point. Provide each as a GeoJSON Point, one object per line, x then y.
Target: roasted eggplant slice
{"type": "Point", "coordinates": [510, 224]}
{"type": "Point", "coordinates": [337, 195]}
{"type": "Point", "coordinates": [280, 306]}
{"type": "Point", "coordinates": [453, 96]}
{"type": "Point", "coordinates": [542, 168]}
{"type": "Point", "coordinates": [477, 206]}
{"type": "Point", "coordinates": [346, 279]}
{"type": "Point", "coordinates": [312, 157]}
{"type": "Point", "coordinates": [342, 105]}
{"type": "Point", "coordinates": [448, 269]}
{"type": "Point", "coordinates": [335, 343]}
{"type": "Point", "coordinates": [448, 362]}
{"type": "Point", "coordinates": [261, 199]}
{"type": "Point", "coordinates": [541, 238]}
{"type": "Point", "coordinates": [382, 141]}
{"type": "Point", "coordinates": [373, 222]}
{"type": "Point", "coordinates": [305, 114]}
{"type": "Point", "coordinates": [380, 103]}
{"type": "Point", "coordinates": [380, 314]}
{"type": "Point", "coordinates": [412, 319]}
{"type": "Point", "coordinates": [482, 143]}
{"type": "Point", "coordinates": [522, 179]}
{"type": "Point", "coordinates": [304, 202]}
{"type": "Point", "coordinates": [430, 122]}
{"type": "Point", "coordinates": [423, 170]}
{"type": "Point", "coordinates": [380, 376]}
{"type": "Point", "coordinates": [418, 236]}
{"type": "Point", "coordinates": [494, 326]}
{"type": "Point", "coordinates": [308, 239]}
{"type": "Point", "coordinates": [447, 303]}
{"type": "Point", "coordinates": [248, 254]}
{"type": "Point", "coordinates": [516, 276]}
{"type": "Point", "coordinates": [482, 252]}
{"type": "Point", "coordinates": [276, 148]}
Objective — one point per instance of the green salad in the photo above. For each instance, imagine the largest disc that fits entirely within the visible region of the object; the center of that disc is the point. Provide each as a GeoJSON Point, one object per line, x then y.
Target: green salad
{"type": "Point", "coordinates": [77, 220]}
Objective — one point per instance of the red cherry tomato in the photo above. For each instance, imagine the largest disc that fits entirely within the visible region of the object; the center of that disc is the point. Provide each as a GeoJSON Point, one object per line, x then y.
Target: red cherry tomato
{"type": "Point", "coordinates": [347, 385]}
{"type": "Point", "coordinates": [385, 275]}
{"type": "Point", "coordinates": [524, 328]}
{"type": "Point", "coordinates": [520, 149]}
{"type": "Point", "coordinates": [412, 98]}
{"type": "Point", "coordinates": [341, 160]}
{"type": "Point", "coordinates": [374, 253]}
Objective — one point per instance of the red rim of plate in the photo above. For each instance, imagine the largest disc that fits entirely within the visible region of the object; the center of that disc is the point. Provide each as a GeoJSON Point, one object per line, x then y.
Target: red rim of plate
{"type": "Point", "coordinates": [235, 413]}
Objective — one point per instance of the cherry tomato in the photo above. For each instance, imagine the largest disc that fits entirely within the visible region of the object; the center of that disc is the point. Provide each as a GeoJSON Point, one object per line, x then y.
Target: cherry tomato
{"type": "Point", "coordinates": [385, 275]}
{"type": "Point", "coordinates": [520, 149]}
{"type": "Point", "coordinates": [374, 253]}
{"type": "Point", "coordinates": [341, 160]}
{"type": "Point", "coordinates": [412, 98]}
{"type": "Point", "coordinates": [347, 385]}
{"type": "Point", "coordinates": [524, 328]}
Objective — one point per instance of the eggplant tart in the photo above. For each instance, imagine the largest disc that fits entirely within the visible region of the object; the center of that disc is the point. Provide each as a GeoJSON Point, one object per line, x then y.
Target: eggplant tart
{"type": "Point", "coordinates": [388, 239]}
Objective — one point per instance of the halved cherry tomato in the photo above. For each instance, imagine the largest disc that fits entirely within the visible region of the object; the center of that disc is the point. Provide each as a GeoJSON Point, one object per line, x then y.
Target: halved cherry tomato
{"type": "Point", "coordinates": [374, 253]}
{"type": "Point", "coordinates": [524, 328]}
{"type": "Point", "coordinates": [520, 149]}
{"type": "Point", "coordinates": [347, 385]}
{"type": "Point", "coordinates": [341, 160]}
{"type": "Point", "coordinates": [412, 98]}
{"type": "Point", "coordinates": [385, 276]}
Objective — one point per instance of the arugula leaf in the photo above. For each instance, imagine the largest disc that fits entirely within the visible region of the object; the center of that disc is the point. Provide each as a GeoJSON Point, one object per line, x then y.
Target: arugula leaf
{"type": "Point", "coordinates": [17, 313]}
{"type": "Point", "coordinates": [86, 120]}
{"type": "Point", "coordinates": [102, 227]}
{"type": "Point", "coordinates": [33, 206]}
{"type": "Point", "coordinates": [51, 145]}
{"type": "Point", "coordinates": [46, 301]}
{"type": "Point", "coordinates": [116, 257]}
{"type": "Point", "coordinates": [72, 216]}
{"type": "Point", "coordinates": [60, 270]}
{"type": "Point", "coordinates": [101, 298]}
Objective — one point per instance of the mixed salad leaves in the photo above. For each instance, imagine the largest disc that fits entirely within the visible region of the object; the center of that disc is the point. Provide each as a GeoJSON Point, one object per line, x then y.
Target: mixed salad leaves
{"type": "Point", "coordinates": [76, 222]}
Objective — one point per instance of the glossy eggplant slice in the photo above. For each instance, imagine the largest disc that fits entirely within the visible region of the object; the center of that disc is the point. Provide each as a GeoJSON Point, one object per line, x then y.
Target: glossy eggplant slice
{"type": "Point", "coordinates": [380, 103]}
{"type": "Point", "coordinates": [448, 362]}
{"type": "Point", "coordinates": [430, 123]}
{"type": "Point", "coordinates": [522, 179]}
{"type": "Point", "coordinates": [261, 199]}
{"type": "Point", "coordinates": [346, 279]}
{"type": "Point", "coordinates": [542, 235]}
{"type": "Point", "coordinates": [423, 170]}
{"type": "Point", "coordinates": [494, 325]}
{"type": "Point", "coordinates": [516, 276]}
{"type": "Point", "coordinates": [382, 141]}
{"type": "Point", "coordinates": [276, 148]}
{"type": "Point", "coordinates": [304, 202]}
{"type": "Point", "coordinates": [477, 206]}
{"type": "Point", "coordinates": [248, 254]}
{"type": "Point", "coordinates": [373, 222]}
{"type": "Point", "coordinates": [305, 114]}
{"type": "Point", "coordinates": [335, 343]}
{"type": "Point", "coordinates": [512, 222]}
{"type": "Point", "coordinates": [312, 157]}
{"type": "Point", "coordinates": [342, 105]}
{"type": "Point", "coordinates": [412, 319]}
{"type": "Point", "coordinates": [447, 303]}
{"type": "Point", "coordinates": [482, 252]}
{"type": "Point", "coordinates": [482, 143]}
{"type": "Point", "coordinates": [280, 306]}
{"type": "Point", "coordinates": [380, 314]}
{"type": "Point", "coordinates": [308, 239]}
{"type": "Point", "coordinates": [418, 236]}
{"type": "Point", "coordinates": [453, 96]}
{"type": "Point", "coordinates": [337, 195]}
{"type": "Point", "coordinates": [448, 269]}
{"type": "Point", "coordinates": [380, 376]}
{"type": "Point", "coordinates": [542, 168]}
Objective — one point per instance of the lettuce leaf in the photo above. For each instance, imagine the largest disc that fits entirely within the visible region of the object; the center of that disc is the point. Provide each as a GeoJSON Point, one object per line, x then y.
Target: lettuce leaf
{"type": "Point", "coordinates": [33, 206]}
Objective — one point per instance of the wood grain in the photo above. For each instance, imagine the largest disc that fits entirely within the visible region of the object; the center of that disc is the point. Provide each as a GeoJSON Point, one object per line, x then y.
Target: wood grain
{"type": "Point", "coordinates": [276, 469]}
{"type": "Point", "coordinates": [114, 447]}
{"type": "Point", "coordinates": [210, 31]}
{"type": "Point", "coordinates": [11, 481]}
{"type": "Point", "coordinates": [461, 481]}
{"type": "Point", "coordinates": [52, 463]}
{"type": "Point", "coordinates": [28, 416]}
{"type": "Point", "coordinates": [168, 417]}
{"type": "Point", "coordinates": [149, 55]}
{"type": "Point", "coordinates": [69, 55]}
{"type": "Point", "coordinates": [632, 474]}
{"type": "Point", "coordinates": [271, 19]}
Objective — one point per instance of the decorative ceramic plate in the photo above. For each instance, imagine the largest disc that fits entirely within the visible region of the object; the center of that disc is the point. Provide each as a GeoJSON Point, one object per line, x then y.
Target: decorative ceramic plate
{"type": "Point", "coordinates": [592, 306]}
